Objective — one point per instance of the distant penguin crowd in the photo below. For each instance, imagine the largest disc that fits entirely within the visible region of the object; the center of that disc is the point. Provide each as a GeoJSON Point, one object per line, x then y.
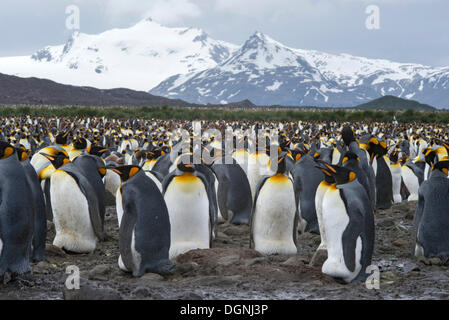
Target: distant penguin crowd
{"type": "Point", "coordinates": [174, 181]}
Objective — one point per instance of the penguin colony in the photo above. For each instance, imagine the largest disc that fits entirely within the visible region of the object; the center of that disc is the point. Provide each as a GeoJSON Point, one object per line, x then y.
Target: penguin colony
{"type": "Point", "coordinates": [324, 178]}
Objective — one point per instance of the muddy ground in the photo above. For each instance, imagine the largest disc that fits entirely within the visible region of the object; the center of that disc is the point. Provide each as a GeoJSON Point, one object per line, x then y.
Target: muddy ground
{"type": "Point", "coordinates": [232, 271]}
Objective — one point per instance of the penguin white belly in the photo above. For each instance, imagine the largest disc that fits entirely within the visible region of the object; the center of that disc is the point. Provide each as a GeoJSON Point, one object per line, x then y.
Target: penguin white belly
{"type": "Point", "coordinates": [74, 153]}
{"type": "Point", "coordinates": [148, 165]}
{"type": "Point", "coordinates": [374, 165]}
{"type": "Point", "coordinates": [119, 205]}
{"type": "Point", "coordinates": [397, 178]}
{"type": "Point", "coordinates": [220, 216]}
{"type": "Point", "coordinates": [336, 156]}
{"type": "Point", "coordinates": [188, 208]}
{"type": "Point", "coordinates": [74, 230]}
{"type": "Point", "coordinates": [335, 221]}
{"type": "Point", "coordinates": [319, 196]}
{"type": "Point", "coordinates": [155, 180]}
{"type": "Point", "coordinates": [257, 167]}
{"type": "Point", "coordinates": [411, 182]}
{"type": "Point", "coordinates": [274, 217]}
{"type": "Point", "coordinates": [111, 181]}
{"type": "Point", "coordinates": [426, 171]}
{"type": "Point", "coordinates": [1, 246]}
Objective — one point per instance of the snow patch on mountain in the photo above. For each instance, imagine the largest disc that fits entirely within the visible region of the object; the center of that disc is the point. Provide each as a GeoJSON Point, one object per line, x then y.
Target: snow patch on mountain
{"type": "Point", "coordinates": [139, 57]}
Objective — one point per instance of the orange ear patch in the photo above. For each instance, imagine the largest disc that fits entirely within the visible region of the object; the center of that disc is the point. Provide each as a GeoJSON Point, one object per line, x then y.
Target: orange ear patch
{"type": "Point", "coordinates": [133, 171]}
{"type": "Point", "coordinates": [8, 151]}
{"type": "Point", "coordinates": [23, 156]}
{"type": "Point", "coordinates": [352, 176]}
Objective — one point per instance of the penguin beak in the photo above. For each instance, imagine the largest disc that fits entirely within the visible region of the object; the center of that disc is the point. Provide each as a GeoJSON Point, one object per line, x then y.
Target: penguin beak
{"type": "Point", "coordinates": [103, 150]}
{"type": "Point", "coordinates": [49, 157]}
{"type": "Point", "coordinates": [330, 168]}
{"type": "Point", "coordinates": [117, 171]}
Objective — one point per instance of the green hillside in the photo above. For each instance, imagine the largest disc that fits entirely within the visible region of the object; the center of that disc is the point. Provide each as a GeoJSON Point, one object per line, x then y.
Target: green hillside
{"type": "Point", "coordinates": [391, 103]}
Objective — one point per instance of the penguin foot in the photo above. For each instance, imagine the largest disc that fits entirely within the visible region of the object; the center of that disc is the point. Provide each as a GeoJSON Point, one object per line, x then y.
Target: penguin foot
{"type": "Point", "coordinates": [318, 258]}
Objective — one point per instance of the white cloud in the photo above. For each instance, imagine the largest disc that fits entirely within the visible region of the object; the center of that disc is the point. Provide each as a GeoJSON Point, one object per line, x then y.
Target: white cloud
{"type": "Point", "coordinates": [163, 11]}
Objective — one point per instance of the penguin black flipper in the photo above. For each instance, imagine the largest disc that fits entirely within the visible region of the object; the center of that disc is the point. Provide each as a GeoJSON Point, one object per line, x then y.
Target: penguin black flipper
{"type": "Point", "coordinates": [92, 201]}
{"type": "Point", "coordinates": [163, 164]}
{"type": "Point", "coordinates": [127, 225]}
{"type": "Point", "coordinates": [238, 198]}
{"type": "Point", "coordinates": [419, 213]}
{"type": "Point", "coordinates": [209, 181]}
{"type": "Point", "coordinates": [361, 224]}
{"type": "Point", "coordinates": [145, 216]}
{"type": "Point", "coordinates": [211, 199]}
{"type": "Point", "coordinates": [349, 240]}
{"type": "Point", "coordinates": [222, 191]}
{"type": "Point", "coordinates": [167, 181]}
{"type": "Point", "coordinates": [258, 187]}
{"type": "Point", "coordinates": [48, 209]}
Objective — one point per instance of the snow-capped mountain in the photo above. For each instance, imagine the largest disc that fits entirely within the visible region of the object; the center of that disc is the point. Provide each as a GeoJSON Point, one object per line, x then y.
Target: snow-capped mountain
{"type": "Point", "coordinates": [268, 73]}
{"type": "Point", "coordinates": [187, 64]}
{"type": "Point", "coordinates": [139, 57]}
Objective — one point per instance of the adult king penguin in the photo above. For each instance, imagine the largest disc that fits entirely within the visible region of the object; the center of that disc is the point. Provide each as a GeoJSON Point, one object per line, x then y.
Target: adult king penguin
{"type": "Point", "coordinates": [40, 216]}
{"type": "Point", "coordinates": [348, 225]}
{"type": "Point", "coordinates": [431, 220]}
{"type": "Point", "coordinates": [187, 195]}
{"type": "Point", "coordinates": [16, 214]}
{"type": "Point", "coordinates": [75, 207]}
{"type": "Point", "coordinates": [144, 224]}
{"type": "Point", "coordinates": [274, 221]}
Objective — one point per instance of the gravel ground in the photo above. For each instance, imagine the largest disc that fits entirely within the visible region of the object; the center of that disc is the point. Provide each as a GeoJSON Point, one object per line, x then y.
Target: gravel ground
{"type": "Point", "coordinates": [230, 270]}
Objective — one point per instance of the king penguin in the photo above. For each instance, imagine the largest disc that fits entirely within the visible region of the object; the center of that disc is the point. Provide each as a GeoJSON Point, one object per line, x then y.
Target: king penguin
{"type": "Point", "coordinates": [16, 214]}
{"type": "Point", "coordinates": [144, 224]}
{"type": "Point", "coordinates": [187, 195]}
{"type": "Point", "coordinates": [40, 216]}
{"type": "Point", "coordinates": [75, 207]}
{"type": "Point", "coordinates": [321, 253]}
{"type": "Point", "coordinates": [274, 221]}
{"type": "Point", "coordinates": [349, 227]}
{"type": "Point", "coordinates": [94, 169]}
{"type": "Point", "coordinates": [431, 220]}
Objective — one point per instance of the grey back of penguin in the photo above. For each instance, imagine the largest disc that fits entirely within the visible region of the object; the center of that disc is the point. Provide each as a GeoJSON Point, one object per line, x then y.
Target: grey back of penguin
{"type": "Point", "coordinates": [16, 206]}
{"type": "Point", "coordinates": [145, 213]}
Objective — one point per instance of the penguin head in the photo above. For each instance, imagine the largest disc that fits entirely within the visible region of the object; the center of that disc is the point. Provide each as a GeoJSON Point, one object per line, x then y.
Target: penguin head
{"type": "Point", "coordinates": [328, 177]}
{"type": "Point", "coordinates": [281, 165]}
{"type": "Point", "coordinates": [442, 165]}
{"type": "Point", "coordinates": [185, 163]}
{"type": "Point", "coordinates": [97, 150]}
{"type": "Point", "coordinates": [349, 156]}
{"type": "Point", "coordinates": [80, 143]}
{"type": "Point", "coordinates": [430, 156]}
{"type": "Point", "coordinates": [347, 135]}
{"type": "Point", "coordinates": [126, 172]}
{"type": "Point", "coordinates": [341, 175]}
{"type": "Point", "coordinates": [57, 160]}
{"type": "Point", "coordinates": [6, 150]}
{"type": "Point", "coordinates": [62, 138]}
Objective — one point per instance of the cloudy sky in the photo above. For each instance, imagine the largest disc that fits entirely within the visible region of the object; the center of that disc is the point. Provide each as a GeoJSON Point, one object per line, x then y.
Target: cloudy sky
{"type": "Point", "coordinates": [410, 30]}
